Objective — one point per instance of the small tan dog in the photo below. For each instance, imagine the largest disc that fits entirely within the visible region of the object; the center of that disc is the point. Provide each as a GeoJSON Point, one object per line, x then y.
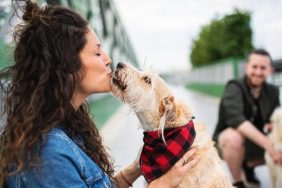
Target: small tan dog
{"type": "Point", "coordinates": [154, 104]}
{"type": "Point", "coordinates": [275, 136]}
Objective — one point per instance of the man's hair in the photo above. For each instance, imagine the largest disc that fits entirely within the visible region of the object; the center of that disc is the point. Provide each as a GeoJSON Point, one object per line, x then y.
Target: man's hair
{"type": "Point", "coordinates": [259, 51]}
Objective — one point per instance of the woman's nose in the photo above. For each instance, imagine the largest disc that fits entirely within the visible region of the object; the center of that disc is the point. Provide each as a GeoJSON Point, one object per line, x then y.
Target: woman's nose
{"type": "Point", "coordinates": [107, 59]}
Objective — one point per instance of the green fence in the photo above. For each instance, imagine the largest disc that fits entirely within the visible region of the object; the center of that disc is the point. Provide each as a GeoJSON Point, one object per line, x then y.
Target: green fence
{"type": "Point", "coordinates": [6, 57]}
{"type": "Point", "coordinates": [102, 109]}
{"type": "Point", "coordinates": [215, 90]}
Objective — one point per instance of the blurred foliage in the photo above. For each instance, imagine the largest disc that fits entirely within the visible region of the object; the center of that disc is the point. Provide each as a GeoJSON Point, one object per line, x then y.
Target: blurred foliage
{"type": "Point", "coordinates": [222, 38]}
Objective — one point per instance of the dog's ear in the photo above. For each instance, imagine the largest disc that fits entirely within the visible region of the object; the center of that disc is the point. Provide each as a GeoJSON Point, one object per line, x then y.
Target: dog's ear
{"type": "Point", "coordinates": [167, 113]}
{"type": "Point", "coordinates": [167, 108]}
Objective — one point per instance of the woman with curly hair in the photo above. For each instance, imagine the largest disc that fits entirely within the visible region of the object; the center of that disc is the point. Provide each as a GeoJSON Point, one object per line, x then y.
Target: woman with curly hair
{"type": "Point", "coordinates": [49, 139]}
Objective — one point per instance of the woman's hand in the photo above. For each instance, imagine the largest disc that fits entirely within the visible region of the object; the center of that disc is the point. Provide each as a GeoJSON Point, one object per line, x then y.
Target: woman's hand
{"type": "Point", "coordinates": [176, 174]}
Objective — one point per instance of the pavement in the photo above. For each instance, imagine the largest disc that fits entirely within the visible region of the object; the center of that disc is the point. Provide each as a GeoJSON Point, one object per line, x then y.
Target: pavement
{"type": "Point", "coordinates": [123, 136]}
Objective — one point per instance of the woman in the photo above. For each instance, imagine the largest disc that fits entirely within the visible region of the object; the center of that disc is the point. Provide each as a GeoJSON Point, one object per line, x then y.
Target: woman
{"type": "Point", "coordinates": [49, 139]}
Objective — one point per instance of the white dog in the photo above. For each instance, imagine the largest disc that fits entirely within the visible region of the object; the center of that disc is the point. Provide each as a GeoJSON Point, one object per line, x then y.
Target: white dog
{"type": "Point", "coordinates": [275, 136]}
{"type": "Point", "coordinates": [154, 104]}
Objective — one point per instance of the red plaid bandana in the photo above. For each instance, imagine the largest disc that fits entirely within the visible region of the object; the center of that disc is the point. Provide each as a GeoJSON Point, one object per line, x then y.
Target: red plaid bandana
{"type": "Point", "coordinates": [157, 157]}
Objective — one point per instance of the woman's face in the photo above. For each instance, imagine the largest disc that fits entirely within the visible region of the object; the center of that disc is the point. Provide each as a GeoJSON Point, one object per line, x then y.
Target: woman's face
{"type": "Point", "coordinates": [95, 75]}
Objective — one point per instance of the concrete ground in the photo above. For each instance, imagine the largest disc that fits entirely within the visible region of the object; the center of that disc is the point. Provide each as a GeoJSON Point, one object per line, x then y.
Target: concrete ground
{"type": "Point", "coordinates": [123, 136]}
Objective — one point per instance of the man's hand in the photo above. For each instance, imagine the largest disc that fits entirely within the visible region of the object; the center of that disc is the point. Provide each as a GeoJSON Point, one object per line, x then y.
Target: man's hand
{"type": "Point", "coordinates": [276, 156]}
{"type": "Point", "coordinates": [267, 128]}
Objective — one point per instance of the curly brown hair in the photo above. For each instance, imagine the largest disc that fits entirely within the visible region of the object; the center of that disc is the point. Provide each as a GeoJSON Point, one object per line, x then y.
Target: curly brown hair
{"type": "Point", "coordinates": [43, 77]}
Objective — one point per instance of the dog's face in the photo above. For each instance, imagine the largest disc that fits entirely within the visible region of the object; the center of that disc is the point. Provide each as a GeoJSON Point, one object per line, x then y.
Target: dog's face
{"type": "Point", "coordinates": [139, 89]}
{"type": "Point", "coordinates": [146, 93]}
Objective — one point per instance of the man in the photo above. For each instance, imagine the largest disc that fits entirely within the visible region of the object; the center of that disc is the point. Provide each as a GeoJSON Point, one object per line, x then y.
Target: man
{"type": "Point", "coordinates": [244, 111]}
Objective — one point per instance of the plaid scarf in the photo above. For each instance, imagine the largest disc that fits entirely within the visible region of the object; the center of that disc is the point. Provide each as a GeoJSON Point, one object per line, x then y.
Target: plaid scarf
{"type": "Point", "coordinates": [157, 157]}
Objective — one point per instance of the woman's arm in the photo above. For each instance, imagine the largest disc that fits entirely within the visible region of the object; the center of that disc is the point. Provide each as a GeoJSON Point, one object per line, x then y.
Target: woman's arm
{"type": "Point", "coordinates": [128, 175]}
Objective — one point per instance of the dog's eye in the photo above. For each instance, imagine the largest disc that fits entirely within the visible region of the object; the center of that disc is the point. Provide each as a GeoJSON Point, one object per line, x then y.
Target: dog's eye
{"type": "Point", "coordinates": [147, 79]}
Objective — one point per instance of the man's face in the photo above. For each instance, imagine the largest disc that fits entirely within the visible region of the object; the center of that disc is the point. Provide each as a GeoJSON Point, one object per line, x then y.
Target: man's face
{"type": "Point", "coordinates": [257, 69]}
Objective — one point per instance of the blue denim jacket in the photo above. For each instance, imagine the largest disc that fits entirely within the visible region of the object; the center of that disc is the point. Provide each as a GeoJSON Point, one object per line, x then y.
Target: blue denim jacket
{"type": "Point", "coordinates": [63, 164]}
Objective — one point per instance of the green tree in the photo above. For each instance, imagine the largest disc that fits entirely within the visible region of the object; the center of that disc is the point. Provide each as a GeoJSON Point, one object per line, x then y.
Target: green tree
{"type": "Point", "coordinates": [222, 38]}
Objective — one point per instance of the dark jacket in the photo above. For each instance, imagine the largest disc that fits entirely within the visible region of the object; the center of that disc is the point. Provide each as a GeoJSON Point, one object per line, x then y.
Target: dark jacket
{"type": "Point", "coordinates": [237, 105]}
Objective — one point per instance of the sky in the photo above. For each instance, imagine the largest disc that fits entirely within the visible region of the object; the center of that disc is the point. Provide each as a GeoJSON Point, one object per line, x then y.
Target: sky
{"type": "Point", "coordinates": [162, 31]}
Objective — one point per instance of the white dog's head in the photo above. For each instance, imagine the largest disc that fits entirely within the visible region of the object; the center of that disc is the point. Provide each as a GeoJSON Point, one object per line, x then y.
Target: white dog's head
{"type": "Point", "coordinates": [149, 96]}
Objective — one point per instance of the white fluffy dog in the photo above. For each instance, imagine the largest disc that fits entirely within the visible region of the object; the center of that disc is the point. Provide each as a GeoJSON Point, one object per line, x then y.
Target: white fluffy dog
{"type": "Point", "coordinates": [276, 138]}
{"type": "Point", "coordinates": [154, 104]}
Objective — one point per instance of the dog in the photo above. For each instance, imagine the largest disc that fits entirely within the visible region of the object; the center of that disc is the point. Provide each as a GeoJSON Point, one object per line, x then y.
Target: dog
{"type": "Point", "coordinates": [153, 102]}
{"type": "Point", "coordinates": [275, 137]}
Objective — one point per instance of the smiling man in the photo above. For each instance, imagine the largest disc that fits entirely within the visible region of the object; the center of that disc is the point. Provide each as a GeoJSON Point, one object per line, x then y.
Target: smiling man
{"type": "Point", "coordinates": [244, 111]}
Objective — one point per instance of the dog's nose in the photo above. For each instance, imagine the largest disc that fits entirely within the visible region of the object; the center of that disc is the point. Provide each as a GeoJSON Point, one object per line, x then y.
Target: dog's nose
{"type": "Point", "coordinates": [120, 65]}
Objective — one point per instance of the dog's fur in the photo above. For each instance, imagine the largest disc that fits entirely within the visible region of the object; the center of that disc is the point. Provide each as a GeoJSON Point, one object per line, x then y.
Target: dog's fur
{"type": "Point", "coordinates": [154, 104]}
{"type": "Point", "coordinates": [275, 136]}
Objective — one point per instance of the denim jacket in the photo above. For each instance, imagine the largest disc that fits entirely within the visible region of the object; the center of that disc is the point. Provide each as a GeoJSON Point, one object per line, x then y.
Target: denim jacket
{"type": "Point", "coordinates": [63, 164]}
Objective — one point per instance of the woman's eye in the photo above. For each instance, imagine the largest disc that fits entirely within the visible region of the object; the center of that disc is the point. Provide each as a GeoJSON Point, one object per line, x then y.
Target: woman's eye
{"type": "Point", "coordinates": [98, 54]}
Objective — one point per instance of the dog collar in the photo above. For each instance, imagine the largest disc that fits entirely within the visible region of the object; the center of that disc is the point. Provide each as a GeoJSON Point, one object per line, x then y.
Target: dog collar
{"type": "Point", "coordinates": [157, 157]}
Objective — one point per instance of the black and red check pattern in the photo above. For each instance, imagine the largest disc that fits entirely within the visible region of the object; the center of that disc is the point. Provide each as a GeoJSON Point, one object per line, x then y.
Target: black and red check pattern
{"type": "Point", "coordinates": [157, 157]}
